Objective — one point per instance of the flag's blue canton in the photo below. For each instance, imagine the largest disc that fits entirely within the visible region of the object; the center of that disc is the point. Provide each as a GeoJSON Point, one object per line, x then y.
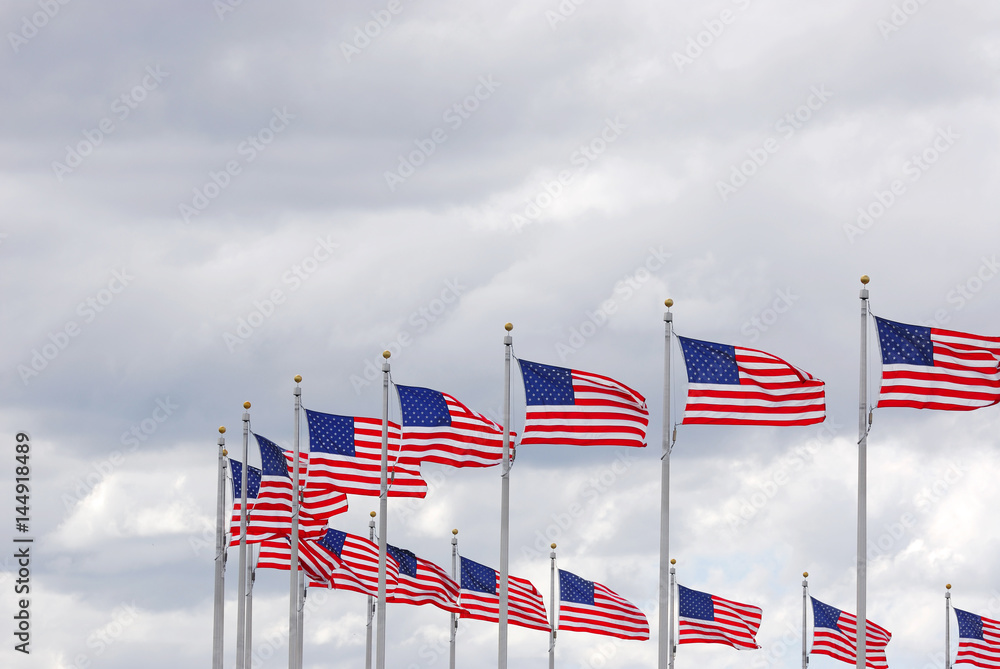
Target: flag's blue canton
{"type": "Point", "coordinates": [708, 362]}
{"type": "Point", "coordinates": [333, 540]}
{"type": "Point", "coordinates": [825, 615]}
{"type": "Point", "coordinates": [330, 434]}
{"type": "Point", "coordinates": [694, 604]}
{"type": "Point", "coordinates": [423, 407]}
{"type": "Point", "coordinates": [904, 344]}
{"type": "Point", "coordinates": [970, 626]}
{"type": "Point", "coordinates": [406, 559]}
{"type": "Point", "coordinates": [253, 480]}
{"type": "Point", "coordinates": [547, 385]}
{"type": "Point", "coordinates": [478, 578]}
{"type": "Point", "coordinates": [272, 458]}
{"type": "Point", "coordinates": [574, 589]}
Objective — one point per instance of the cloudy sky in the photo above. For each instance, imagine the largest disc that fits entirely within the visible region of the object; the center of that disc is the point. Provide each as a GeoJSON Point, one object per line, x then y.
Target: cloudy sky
{"type": "Point", "coordinates": [203, 199]}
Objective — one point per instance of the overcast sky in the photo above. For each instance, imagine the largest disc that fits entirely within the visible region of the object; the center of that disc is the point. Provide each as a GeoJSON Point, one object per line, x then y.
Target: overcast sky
{"type": "Point", "coordinates": [201, 200]}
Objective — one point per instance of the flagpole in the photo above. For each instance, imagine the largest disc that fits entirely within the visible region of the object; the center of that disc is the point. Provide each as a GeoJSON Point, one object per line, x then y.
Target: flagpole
{"type": "Point", "coordinates": [665, 639]}
{"type": "Point", "coordinates": [382, 524]}
{"type": "Point", "coordinates": [218, 630]}
{"type": "Point", "coordinates": [947, 626]}
{"type": "Point", "coordinates": [670, 612]}
{"type": "Point", "coordinates": [505, 501]}
{"type": "Point", "coordinates": [300, 642]}
{"type": "Point", "coordinates": [862, 568]}
{"type": "Point", "coordinates": [241, 604]}
{"type": "Point", "coordinates": [552, 612]}
{"type": "Point", "coordinates": [455, 577]}
{"type": "Point", "coordinates": [371, 604]}
{"type": "Point", "coordinates": [251, 573]}
{"type": "Point", "coordinates": [805, 596]}
{"type": "Point", "coordinates": [294, 661]}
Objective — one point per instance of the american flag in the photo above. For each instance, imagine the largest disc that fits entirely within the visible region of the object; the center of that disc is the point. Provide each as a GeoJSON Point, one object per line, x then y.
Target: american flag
{"type": "Point", "coordinates": [345, 454]}
{"type": "Point", "coordinates": [272, 511]}
{"type": "Point", "coordinates": [438, 428]}
{"type": "Point", "coordinates": [586, 606]}
{"type": "Point", "coordinates": [356, 562]}
{"type": "Point", "coordinates": [253, 486]}
{"type": "Point", "coordinates": [567, 406]}
{"type": "Point", "coordinates": [733, 385]}
{"type": "Point", "coordinates": [480, 597]}
{"type": "Point", "coordinates": [930, 368]}
{"type": "Point", "coordinates": [317, 505]}
{"type": "Point", "coordinates": [423, 582]}
{"type": "Point", "coordinates": [276, 553]}
{"type": "Point", "coordinates": [705, 618]}
{"type": "Point", "coordinates": [835, 634]}
{"type": "Point", "coordinates": [978, 640]}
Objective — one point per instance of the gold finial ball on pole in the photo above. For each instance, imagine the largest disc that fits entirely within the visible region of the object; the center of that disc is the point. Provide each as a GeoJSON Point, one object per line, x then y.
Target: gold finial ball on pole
{"type": "Point", "coordinates": [805, 574]}
{"type": "Point", "coordinates": [553, 546]}
{"type": "Point", "coordinates": [865, 279]}
{"type": "Point", "coordinates": [455, 531]}
{"type": "Point", "coordinates": [222, 430]}
{"type": "Point", "coordinates": [224, 452]}
{"type": "Point", "coordinates": [386, 355]}
{"type": "Point", "coordinates": [372, 514]}
{"type": "Point", "coordinates": [246, 405]}
{"type": "Point", "coordinates": [673, 561]}
{"type": "Point", "coordinates": [298, 378]}
{"type": "Point", "coordinates": [508, 326]}
{"type": "Point", "coordinates": [948, 586]}
{"type": "Point", "coordinates": [668, 302]}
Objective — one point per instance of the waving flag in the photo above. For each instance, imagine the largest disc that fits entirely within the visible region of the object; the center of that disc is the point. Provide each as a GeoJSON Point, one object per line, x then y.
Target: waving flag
{"type": "Point", "coordinates": [481, 598]}
{"type": "Point", "coordinates": [276, 553]}
{"type": "Point", "coordinates": [835, 633]}
{"type": "Point", "coordinates": [586, 606]}
{"type": "Point", "coordinates": [352, 563]}
{"type": "Point", "coordinates": [705, 618]}
{"type": "Point", "coordinates": [318, 504]}
{"type": "Point", "coordinates": [978, 640]}
{"type": "Point", "coordinates": [567, 406]}
{"type": "Point", "coordinates": [438, 428]}
{"type": "Point", "coordinates": [253, 488]}
{"type": "Point", "coordinates": [273, 508]}
{"type": "Point", "coordinates": [733, 385]}
{"type": "Point", "coordinates": [345, 454]}
{"type": "Point", "coordinates": [930, 368]}
{"type": "Point", "coordinates": [423, 582]}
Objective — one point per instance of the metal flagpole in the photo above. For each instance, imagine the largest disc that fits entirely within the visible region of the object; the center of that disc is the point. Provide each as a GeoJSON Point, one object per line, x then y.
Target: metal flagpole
{"type": "Point", "coordinates": [947, 626]}
{"type": "Point", "coordinates": [505, 501]}
{"type": "Point", "coordinates": [300, 642]}
{"type": "Point", "coordinates": [805, 596]}
{"type": "Point", "coordinates": [294, 661]}
{"type": "Point", "coordinates": [218, 631]}
{"type": "Point", "coordinates": [454, 618]}
{"type": "Point", "coordinates": [241, 604]}
{"type": "Point", "coordinates": [371, 604]}
{"type": "Point", "coordinates": [863, 481]}
{"type": "Point", "coordinates": [670, 612]}
{"type": "Point", "coordinates": [251, 574]}
{"type": "Point", "coordinates": [382, 524]}
{"type": "Point", "coordinates": [665, 639]}
{"type": "Point", "coordinates": [553, 620]}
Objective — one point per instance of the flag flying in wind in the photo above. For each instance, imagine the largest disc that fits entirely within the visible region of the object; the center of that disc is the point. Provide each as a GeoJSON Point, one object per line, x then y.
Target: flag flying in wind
{"type": "Point", "coordinates": [356, 562]}
{"type": "Point", "coordinates": [276, 553]}
{"type": "Point", "coordinates": [423, 582]}
{"type": "Point", "coordinates": [733, 385]}
{"type": "Point", "coordinates": [272, 512]}
{"type": "Point", "coordinates": [345, 454]}
{"type": "Point", "coordinates": [930, 368]}
{"type": "Point", "coordinates": [438, 428]}
{"type": "Point", "coordinates": [253, 488]}
{"type": "Point", "coordinates": [835, 633]}
{"type": "Point", "coordinates": [705, 618]}
{"type": "Point", "coordinates": [481, 597]}
{"type": "Point", "coordinates": [586, 606]}
{"type": "Point", "coordinates": [978, 640]}
{"type": "Point", "coordinates": [317, 506]}
{"type": "Point", "coordinates": [567, 406]}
